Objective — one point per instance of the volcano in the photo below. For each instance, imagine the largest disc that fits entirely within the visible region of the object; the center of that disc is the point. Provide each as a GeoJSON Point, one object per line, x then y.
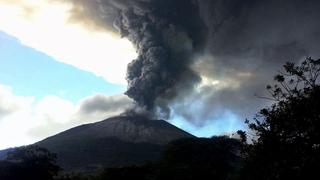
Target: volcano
{"type": "Point", "coordinates": [117, 141]}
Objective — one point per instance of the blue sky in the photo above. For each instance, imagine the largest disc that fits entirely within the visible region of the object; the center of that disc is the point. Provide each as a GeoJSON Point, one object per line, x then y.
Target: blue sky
{"type": "Point", "coordinates": [41, 96]}
{"type": "Point", "coordinates": [32, 73]}
{"type": "Point", "coordinates": [52, 72]}
{"type": "Point", "coordinates": [60, 67]}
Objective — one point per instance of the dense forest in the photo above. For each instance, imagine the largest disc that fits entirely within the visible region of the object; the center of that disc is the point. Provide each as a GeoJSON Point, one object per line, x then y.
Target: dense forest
{"type": "Point", "coordinates": [282, 142]}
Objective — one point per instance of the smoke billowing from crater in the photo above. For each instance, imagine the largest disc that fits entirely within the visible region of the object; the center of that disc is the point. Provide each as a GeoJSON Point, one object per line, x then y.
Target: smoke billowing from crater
{"type": "Point", "coordinates": [166, 34]}
{"type": "Point", "coordinates": [203, 57]}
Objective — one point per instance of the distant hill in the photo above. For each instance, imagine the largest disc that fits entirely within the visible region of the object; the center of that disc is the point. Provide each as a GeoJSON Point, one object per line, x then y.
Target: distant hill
{"type": "Point", "coordinates": [4, 152]}
{"type": "Point", "coordinates": [116, 141]}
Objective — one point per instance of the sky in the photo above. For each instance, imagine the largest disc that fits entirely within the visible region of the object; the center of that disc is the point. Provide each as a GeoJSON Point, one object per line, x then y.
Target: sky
{"type": "Point", "coordinates": [42, 90]}
{"type": "Point", "coordinates": [56, 74]}
{"type": "Point", "coordinates": [199, 64]}
{"type": "Point", "coordinates": [41, 96]}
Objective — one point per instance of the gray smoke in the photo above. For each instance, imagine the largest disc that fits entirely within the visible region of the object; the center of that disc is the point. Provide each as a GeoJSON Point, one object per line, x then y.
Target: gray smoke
{"type": "Point", "coordinates": [166, 35]}
{"type": "Point", "coordinates": [203, 57]}
{"type": "Point", "coordinates": [248, 42]}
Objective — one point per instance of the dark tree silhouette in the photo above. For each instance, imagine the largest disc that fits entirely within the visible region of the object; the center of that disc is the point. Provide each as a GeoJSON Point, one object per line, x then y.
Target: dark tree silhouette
{"type": "Point", "coordinates": [29, 162]}
{"type": "Point", "coordinates": [287, 142]}
{"type": "Point", "coordinates": [201, 158]}
{"type": "Point", "coordinates": [184, 159]}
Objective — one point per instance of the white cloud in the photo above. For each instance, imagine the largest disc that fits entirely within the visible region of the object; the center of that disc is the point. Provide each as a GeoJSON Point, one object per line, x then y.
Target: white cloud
{"type": "Point", "coordinates": [15, 122]}
{"type": "Point", "coordinates": [45, 25]}
{"type": "Point", "coordinates": [27, 121]}
{"type": "Point", "coordinates": [9, 103]}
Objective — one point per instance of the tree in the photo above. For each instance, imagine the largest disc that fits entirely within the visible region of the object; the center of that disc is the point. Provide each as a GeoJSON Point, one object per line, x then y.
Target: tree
{"type": "Point", "coordinates": [288, 133]}
{"type": "Point", "coordinates": [201, 158]}
{"type": "Point", "coordinates": [29, 162]}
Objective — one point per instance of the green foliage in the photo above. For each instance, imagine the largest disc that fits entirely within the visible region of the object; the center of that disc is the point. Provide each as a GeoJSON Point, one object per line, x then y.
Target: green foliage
{"type": "Point", "coordinates": [288, 143]}
{"type": "Point", "coordinates": [29, 162]}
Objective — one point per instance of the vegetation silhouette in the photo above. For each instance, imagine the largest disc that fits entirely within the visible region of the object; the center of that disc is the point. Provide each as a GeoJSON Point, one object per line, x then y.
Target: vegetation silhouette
{"type": "Point", "coordinates": [29, 162]}
{"type": "Point", "coordinates": [184, 159]}
{"type": "Point", "coordinates": [284, 143]}
{"type": "Point", "coordinates": [201, 158]}
{"type": "Point", "coordinates": [287, 134]}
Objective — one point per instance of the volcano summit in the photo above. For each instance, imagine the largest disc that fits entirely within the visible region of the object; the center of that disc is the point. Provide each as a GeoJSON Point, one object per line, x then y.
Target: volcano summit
{"type": "Point", "coordinates": [116, 141]}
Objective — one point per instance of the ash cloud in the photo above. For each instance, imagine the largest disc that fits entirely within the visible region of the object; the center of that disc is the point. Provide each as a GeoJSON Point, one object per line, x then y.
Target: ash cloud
{"type": "Point", "coordinates": [102, 104]}
{"type": "Point", "coordinates": [248, 47]}
{"type": "Point", "coordinates": [166, 35]}
{"type": "Point", "coordinates": [203, 57]}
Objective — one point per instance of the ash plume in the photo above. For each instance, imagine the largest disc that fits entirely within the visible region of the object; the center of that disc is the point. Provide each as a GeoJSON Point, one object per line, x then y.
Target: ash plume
{"type": "Point", "coordinates": [166, 34]}
{"type": "Point", "coordinates": [200, 58]}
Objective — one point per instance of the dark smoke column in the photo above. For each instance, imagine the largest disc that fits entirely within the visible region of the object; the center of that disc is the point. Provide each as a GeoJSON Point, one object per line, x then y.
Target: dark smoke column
{"type": "Point", "coordinates": [165, 33]}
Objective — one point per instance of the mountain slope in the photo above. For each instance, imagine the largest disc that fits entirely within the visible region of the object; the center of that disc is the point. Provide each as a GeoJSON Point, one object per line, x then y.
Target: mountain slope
{"type": "Point", "coordinates": [113, 142]}
{"type": "Point", "coordinates": [3, 153]}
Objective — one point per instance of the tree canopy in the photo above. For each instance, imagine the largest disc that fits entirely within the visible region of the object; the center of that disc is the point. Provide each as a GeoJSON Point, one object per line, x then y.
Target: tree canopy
{"type": "Point", "coordinates": [288, 133]}
{"type": "Point", "coordinates": [285, 143]}
{"type": "Point", "coordinates": [29, 162]}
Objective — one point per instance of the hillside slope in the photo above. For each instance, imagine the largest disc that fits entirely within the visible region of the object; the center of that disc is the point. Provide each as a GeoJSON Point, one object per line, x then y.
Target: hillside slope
{"type": "Point", "coordinates": [113, 142]}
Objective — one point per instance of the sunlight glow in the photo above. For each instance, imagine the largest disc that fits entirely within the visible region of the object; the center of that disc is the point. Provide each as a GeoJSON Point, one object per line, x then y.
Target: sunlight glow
{"type": "Point", "coordinates": [45, 26]}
